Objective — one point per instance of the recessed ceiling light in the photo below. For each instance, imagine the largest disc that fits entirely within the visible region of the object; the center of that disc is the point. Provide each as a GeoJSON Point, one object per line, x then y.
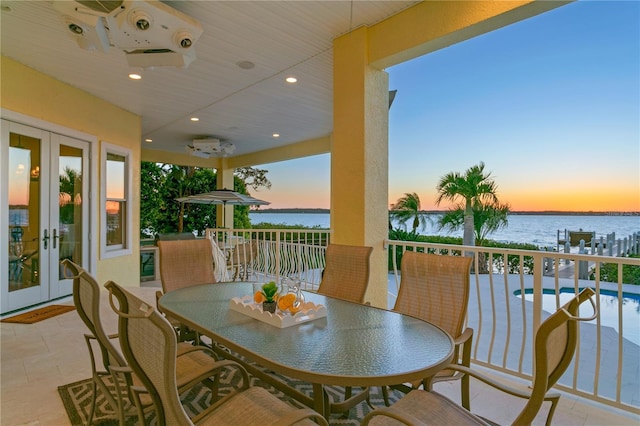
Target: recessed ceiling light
{"type": "Point", "coordinates": [245, 65]}
{"type": "Point", "coordinates": [148, 140]}
{"type": "Point", "coordinates": [194, 119]}
{"type": "Point", "coordinates": [135, 76]}
{"type": "Point", "coordinates": [276, 135]}
{"type": "Point", "coordinates": [291, 79]}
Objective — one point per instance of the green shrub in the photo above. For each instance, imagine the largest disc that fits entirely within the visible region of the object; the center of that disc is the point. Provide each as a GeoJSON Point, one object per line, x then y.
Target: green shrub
{"type": "Point", "coordinates": [401, 235]}
{"type": "Point", "coordinates": [609, 272]}
{"type": "Point", "coordinates": [513, 261]}
{"type": "Point", "coordinates": [498, 264]}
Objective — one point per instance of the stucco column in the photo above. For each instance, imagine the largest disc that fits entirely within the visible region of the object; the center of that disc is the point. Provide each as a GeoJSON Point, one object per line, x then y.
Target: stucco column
{"type": "Point", "coordinates": [224, 180]}
{"type": "Point", "coordinates": [359, 156]}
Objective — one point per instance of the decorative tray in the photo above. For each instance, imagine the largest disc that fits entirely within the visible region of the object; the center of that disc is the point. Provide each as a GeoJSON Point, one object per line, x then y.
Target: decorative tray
{"type": "Point", "coordinates": [309, 312]}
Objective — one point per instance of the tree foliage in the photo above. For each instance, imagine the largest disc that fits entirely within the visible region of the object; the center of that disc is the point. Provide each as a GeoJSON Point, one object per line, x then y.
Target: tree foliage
{"type": "Point", "coordinates": [253, 177]}
{"type": "Point", "coordinates": [487, 218]}
{"type": "Point", "coordinates": [161, 184]}
{"type": "Point", "coordinates": [473, 188]}
{"type": "Point", "coordinates": [406, 209]}
{"type": "Point", "coordinates": [70, 187]}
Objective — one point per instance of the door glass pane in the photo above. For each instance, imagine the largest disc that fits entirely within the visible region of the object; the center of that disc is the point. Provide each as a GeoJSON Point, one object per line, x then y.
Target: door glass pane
{"type": "Point", "coordinates": [70, 205]}
{"type": "Point", "coordinates": [24, 211]}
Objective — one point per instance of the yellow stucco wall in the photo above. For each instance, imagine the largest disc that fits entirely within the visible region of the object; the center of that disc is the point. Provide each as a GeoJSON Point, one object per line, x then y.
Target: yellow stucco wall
{"type": "Point", "coordinates": [359, 160]}
{"type": "Point", "coordinates": [29, 92]}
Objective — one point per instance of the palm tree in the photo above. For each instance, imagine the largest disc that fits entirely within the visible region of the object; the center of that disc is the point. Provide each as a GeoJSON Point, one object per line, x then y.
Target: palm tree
{"type": "Point", "coordinates": [408, 208]}
{"type": "Point", "coordinates": [475, 187]}
{"type": "Point", "coordinates": [69, 195]}
{"type": "Point", "coordinates": [487, 218]}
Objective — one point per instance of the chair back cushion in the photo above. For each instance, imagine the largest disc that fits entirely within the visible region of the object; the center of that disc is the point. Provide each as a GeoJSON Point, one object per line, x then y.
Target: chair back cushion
{"type": "Point", "coordinates": [435, 288]}
{"type": "Point", "coordinates": [554, 346]}
{"type": "Point", "coordinates": [185, 263]}
{"type": "Point", "coordinates": [149, 345]}
{"type": "Point", "coordinates": [346, 272]}
{"type": "Point", "coordinates": [86, 298]}
{"type": "Point", "coordinates": [219, 262]}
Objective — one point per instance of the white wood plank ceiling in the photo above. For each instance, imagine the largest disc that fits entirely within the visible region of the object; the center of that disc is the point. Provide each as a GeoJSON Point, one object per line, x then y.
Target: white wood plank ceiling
{"type": "Point", "coordinates": [241, 106]}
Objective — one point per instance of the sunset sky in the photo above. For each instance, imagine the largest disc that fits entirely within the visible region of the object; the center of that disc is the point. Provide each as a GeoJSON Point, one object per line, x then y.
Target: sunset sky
{"type": "Point", "coordinates": [551, 105]}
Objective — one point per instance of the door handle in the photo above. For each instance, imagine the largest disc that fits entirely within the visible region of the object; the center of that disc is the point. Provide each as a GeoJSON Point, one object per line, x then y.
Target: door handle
{"type": "Point", "coordinates": [45, 239]}
{"type": "Point", "coordinates": [55, 237]}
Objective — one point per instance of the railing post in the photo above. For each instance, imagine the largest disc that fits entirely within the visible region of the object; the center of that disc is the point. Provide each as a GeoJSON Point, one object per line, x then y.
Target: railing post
{"type": "Point", "coordinates": [611, 238]}
{"type": "Point", "coordinates": [278, 257]}
{"type": "Point", "coordinates": [537, 290]}
{"type": "Point", "coordinates": [583, 265]}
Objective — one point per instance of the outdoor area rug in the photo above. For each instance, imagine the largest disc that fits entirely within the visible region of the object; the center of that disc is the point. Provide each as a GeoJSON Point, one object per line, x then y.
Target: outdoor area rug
{"type": "Point", "coordinates": [77, 398]}
{"type": "Point", "coordinates": [39, 314]}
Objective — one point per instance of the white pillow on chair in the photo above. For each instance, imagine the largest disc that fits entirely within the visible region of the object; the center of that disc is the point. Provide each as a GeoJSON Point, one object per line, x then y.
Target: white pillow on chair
{"type": "Point", "coordinates": [219, 262]}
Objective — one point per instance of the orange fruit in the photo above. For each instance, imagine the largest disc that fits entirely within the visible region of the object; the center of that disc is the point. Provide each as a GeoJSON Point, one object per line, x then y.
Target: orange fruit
{"type": "Point", "coordinates": [258, 297]}
{"type": "Point", "coordinates": [285, 302]}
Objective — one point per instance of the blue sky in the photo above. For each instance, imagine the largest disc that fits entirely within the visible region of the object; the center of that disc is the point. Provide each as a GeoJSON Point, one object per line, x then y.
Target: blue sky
{"type": "Point", "coordinates": [550, 104]}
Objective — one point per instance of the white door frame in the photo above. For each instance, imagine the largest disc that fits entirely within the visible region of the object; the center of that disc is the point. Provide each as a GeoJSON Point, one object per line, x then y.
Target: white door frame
{"type": "Point", "coordinates": [90, 261]}
{"type": "Point", "coordinates": [62, 287]}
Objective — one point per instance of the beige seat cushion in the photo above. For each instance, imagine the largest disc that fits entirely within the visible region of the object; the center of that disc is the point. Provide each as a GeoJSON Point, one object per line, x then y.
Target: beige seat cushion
{"type": "Point", "coordinates": [253, 407]}
{"type": "Point", "coordinates": [431, 408]}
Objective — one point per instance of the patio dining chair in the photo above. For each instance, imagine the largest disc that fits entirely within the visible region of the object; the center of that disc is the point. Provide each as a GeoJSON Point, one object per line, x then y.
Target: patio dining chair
{"type": "Point", "coordinates": [554, 347]}
{"type": "Point", "coordinates": [435, 288]}
{"type": "Point", "coordinates": [149, 344]}
{"type": "Point", "coordinates": [114, 377]}
{"type": "Point", "coordinates": [241, 259]}
{"type": "Point", "coordinates": [346, 272]}
{"type": "Point", "coordinates": [346, 276]}
{"type": "Point", "coordinates": [185, 263]}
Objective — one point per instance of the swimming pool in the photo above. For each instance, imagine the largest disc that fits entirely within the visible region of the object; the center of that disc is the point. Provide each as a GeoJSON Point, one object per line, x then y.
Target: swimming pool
{"type": "Point", "coordinates": [608, 309]}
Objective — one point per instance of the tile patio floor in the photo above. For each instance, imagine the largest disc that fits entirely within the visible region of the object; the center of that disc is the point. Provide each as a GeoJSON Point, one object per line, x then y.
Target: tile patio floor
{"type": "Point", "coordinates": [37, 358]}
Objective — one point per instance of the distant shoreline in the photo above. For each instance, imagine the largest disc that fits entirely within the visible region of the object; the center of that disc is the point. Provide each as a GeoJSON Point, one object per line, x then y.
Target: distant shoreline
{"type": "Point", "coordinates": [545, 212]}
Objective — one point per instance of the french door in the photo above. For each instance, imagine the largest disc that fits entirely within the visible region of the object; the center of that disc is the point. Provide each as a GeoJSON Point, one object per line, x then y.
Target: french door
{"type": "Point", "coordinates": [45, 213]}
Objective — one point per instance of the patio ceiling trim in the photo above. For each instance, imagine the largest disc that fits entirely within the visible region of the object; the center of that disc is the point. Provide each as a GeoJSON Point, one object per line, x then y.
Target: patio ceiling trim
{"type": "Point", "coordinates": [302, 149]}
{"type": "Point", "coordinates": [421, 29]}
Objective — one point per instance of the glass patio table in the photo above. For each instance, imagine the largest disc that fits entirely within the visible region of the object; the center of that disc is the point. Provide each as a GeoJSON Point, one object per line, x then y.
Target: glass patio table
{"type": "Point", "coordinates": [354, 345]}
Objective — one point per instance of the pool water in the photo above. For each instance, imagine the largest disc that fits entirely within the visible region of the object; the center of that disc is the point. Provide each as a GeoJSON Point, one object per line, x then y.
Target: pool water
{"type": "Point", "coordinates": [609, 305]}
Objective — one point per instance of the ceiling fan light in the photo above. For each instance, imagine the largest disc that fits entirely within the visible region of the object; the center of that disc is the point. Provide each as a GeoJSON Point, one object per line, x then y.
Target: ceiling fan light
{"type": "Point", "coordinates": [183, 39]}
{"type": "Point", "coordinates": [135, 74]}
{"type": "Point", "coordinates": [140, 20]}
{"type": "Point", "coordinates": [208, 147]}
{"type": "Point", "coordinates": [75, 28]}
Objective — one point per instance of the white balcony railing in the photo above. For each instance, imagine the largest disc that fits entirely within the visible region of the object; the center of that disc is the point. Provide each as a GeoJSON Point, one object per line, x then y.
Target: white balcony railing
{"type": "Point", "coordinates": [296, 253]}
{"type": "Point", "coordinates": [605, 366]}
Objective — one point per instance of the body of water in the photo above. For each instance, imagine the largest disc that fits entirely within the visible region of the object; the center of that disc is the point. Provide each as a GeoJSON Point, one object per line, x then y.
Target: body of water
{"type": "Point", "coordinates": [541, 230]}
{"type": "Point", "coordinates": [610, 306]}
